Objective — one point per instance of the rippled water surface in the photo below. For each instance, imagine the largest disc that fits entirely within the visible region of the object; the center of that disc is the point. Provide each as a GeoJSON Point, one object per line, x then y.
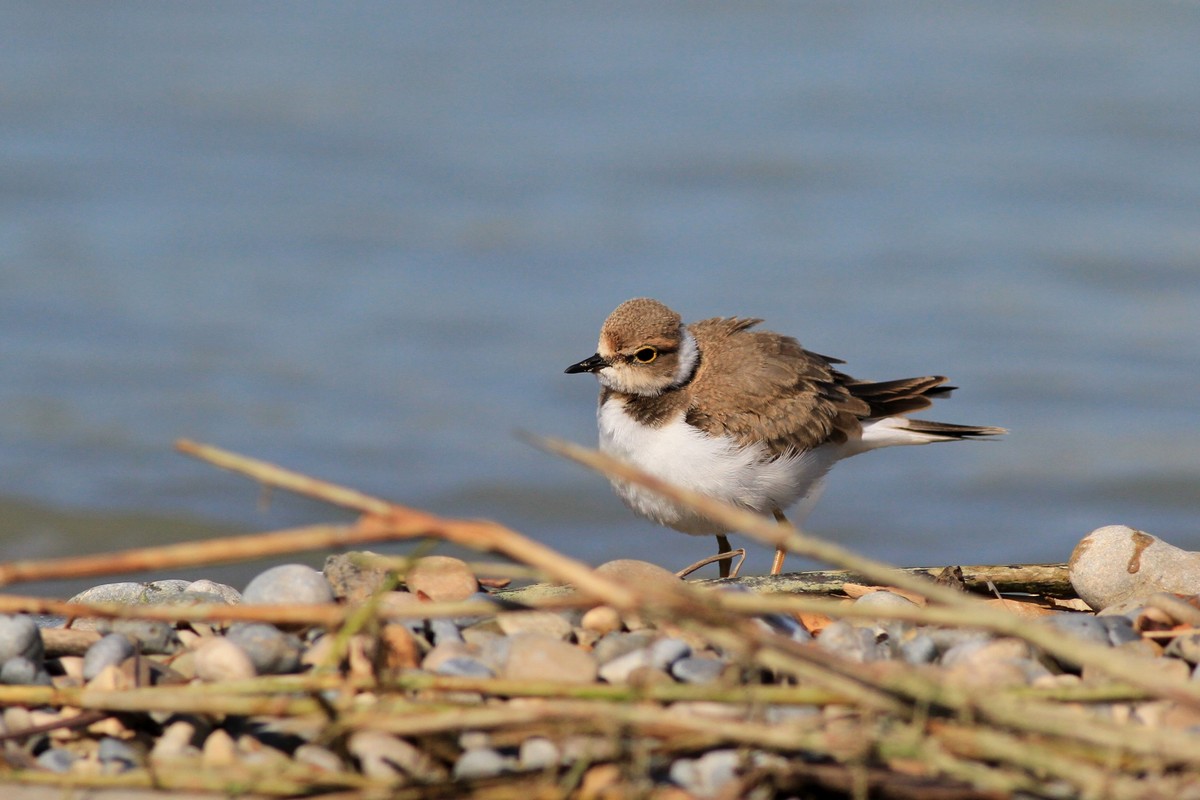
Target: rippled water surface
{"type": "Point", "coordinates": [365, 240]}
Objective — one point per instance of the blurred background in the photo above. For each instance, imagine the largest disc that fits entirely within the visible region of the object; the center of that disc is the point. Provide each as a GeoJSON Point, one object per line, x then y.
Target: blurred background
{"type": "Point", "coordinates": [364, 240]}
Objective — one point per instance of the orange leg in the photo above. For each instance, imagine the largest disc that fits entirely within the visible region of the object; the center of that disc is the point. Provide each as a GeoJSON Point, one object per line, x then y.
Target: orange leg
{"type": "Point", "coordinates": [780, 553]}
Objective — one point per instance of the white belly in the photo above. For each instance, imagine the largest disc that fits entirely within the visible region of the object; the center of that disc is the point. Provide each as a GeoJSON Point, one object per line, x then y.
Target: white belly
{"type": "Point", "coordinates": [715, 466]}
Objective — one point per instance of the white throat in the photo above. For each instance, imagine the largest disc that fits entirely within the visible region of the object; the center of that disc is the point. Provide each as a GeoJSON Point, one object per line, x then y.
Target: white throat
{"type": "Point", "coordinates": [689, 354]}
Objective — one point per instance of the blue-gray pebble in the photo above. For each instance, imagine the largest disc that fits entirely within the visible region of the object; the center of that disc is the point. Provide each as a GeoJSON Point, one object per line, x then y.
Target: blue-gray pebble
{"type": "Point", "coordinates": [697, 670]}
{"type": "Point", "coordinates": [465, 667]}
{"type": "Point", "coordinates": [272, 651]}
{"type": "Point", "coordinates": [110, 650]}
{"type": "Point", "coordinates": [56, 760]}
{"type": "Point", "coordinates": [20, 636]}
{"type": "Point", "coordinates": [117, 755]}
{"type": "Point", "coordinates": [154, 637]}
{"type": "Point", "coordinates": [21, 671]}
{"type": "Point", "coordinates": [444, 630]}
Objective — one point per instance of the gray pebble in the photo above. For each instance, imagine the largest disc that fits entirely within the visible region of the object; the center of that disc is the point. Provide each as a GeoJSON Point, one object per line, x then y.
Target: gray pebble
{"type": "Point", "coordinates": [617, 644]}
{"type": "Point", "coordinates": [697, 670]}
{"type": "Point", "coordinates": [707, 775]}
{"type": "Point", "coordinates": [620, 668]}
{"type": "Point", "coordinates": [444, 630]}
{"type": "Point", "coordinates": [132, 592]}
{"type": "Point", "coordinates": [110, 650]}
{"type": "Point", "coordinates": [848, 641]}
{"type": "Point", "coordinates": [56, 759]}
{"type": "Point", "coordinates": [465, 667]}
{"type": "Point", "coordinates": [479, 763]}
{"type": "Point", "coordinates": [226, 592]}
{"type": "Point", "coordinates": [158, 638]}
{"type": "Point", "coordinates": [919, 648]}
{"type": "Point", "coordinates": [538, 752]}
{"type": "Point", "coordinates": [466, 622]}
{"type": "Point", "coordinates": [20, 671]}
{"type": "Point", "coordinates": [1079, 625]}
{"type": "Point", "coordinates": [117, 755]}
{"type": "Point", "coordinates": [774, 623]}
{"type": "Point", "coordinates": [293, 584]}
{"type": "Point", "coordinates": [272, 651]}
{"type": "Point", "coordinates": [20, 636]}
{"type": "Point", "coordinates": [1120, 630]}
{"type": "Point", "coordinates": [666, 652]}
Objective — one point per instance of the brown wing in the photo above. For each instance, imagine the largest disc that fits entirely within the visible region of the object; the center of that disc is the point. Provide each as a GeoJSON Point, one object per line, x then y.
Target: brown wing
{"type": "Point", "coordinates": [758, 385]}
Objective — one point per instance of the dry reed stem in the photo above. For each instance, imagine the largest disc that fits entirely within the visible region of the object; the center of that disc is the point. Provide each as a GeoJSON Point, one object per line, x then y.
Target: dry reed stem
{"type": "Point", "coordinates": [393, 522]}
{"type": "Point", "coordinates": [1112, 662]}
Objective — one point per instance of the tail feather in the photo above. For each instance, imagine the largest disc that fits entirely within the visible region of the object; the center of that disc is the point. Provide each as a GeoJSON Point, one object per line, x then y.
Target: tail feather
{"type": "Point", "coordinates": [903, 396]}
{"type": "Point", "coordinates": [945, 431]}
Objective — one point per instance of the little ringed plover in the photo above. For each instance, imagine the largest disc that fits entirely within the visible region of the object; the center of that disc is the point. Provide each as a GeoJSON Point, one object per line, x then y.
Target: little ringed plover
{"type": "Point", "coordinates": [748, 417]}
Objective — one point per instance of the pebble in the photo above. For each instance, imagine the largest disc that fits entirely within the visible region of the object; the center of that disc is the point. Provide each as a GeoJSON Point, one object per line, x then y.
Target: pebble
{"type": "Point", "coordinates": [176, 741]}
{"type": "Point", "coordinates": [117, 755]}
{"type": "Point", "coordinates": [618, 644]}
{"type": "Point", "coordinates": [917, 648]}
{"type": "Point", "coordinates": [601, 620]}
{"type": "Point", "coordinates": [444, 630]}
{"type": "Point", "coordinates": [227, 593]}
{"type": "Point", "coordinates": [444, 652]}
{"type": "Point", "coordinates": [56, 759]}
{"type": "Point", "coordinates": [352, 580]}
{"type": "Point", "coordinates": [1082, 626]}
{"type": "Point", "coordinates": [479, 763]}
{"type": "Point", "coordinates": [536, 656]}
{"type": "Point", "coordinates": [546, 623]}
{"type": "Point", "coordinates": [271, 651]}
{"type": "Point", "coordinates": [316, 756]}
{"type": "Point", "coordinates": [110, 650]}
{"type": "Point", "coordinates": [708, 775]}
{"type": "Point", "coordinates": [465, 667]}
{"type": "Point", "coordinates": [154, 637]}
{"type": "Point", "coordinates": [222, 660]}
{"type": "Point", "coordinates": [441, 578]}
{"type": "Point", "coordinates": [1116, 563]}
{"type": "Point", "coordinates": [291, 584]}
{"type": "Point", "coordinates": [132, 593]}
{"type": "Point", "coordinates": [21, 671]}
{"type": "Point", "coordinates": [386, 757]}
{"type": "Point", "coordinates": [698, 669]}
{"type": "Point", "coordinates": [1120, 630]}
{"type": "Point", "coordinates": [20, 636]}
{"type": "Point", "coordinates": [538, 752]}
{"type": "Point", "coordinates": [884, 599]}
{"type": "Point", "coordinates": [477, 597]}
{"type": "Point", "coordinates": [851, 642]}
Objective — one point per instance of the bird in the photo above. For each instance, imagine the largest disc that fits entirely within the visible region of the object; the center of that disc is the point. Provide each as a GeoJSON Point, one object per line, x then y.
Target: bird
{"type": "Point", "coordinates": [744, 416]}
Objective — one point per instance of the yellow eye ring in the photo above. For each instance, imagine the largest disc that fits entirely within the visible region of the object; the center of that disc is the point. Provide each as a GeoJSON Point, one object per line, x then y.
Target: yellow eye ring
{"type": "Point", "coordinates": [646, 354]}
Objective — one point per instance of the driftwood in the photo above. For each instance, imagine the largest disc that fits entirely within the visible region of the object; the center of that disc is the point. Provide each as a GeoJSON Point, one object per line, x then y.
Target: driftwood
{"type": "Point", "coordinates": [1044, 580]}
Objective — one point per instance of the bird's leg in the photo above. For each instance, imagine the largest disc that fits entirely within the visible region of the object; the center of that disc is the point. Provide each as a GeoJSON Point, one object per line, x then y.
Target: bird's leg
{"type": "Point", "coordinates": [780, 553]}
{"type": "Point", "coordinates": [722, 549]}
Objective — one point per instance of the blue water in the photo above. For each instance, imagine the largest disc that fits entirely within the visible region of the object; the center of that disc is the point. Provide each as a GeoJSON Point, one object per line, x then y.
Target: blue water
{"type": "Point", "coordinates": [364, 240]}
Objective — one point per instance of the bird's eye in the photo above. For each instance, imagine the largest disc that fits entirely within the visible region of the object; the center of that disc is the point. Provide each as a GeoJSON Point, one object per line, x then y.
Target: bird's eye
{"type": "Point", "coordinates": [646, 355]}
